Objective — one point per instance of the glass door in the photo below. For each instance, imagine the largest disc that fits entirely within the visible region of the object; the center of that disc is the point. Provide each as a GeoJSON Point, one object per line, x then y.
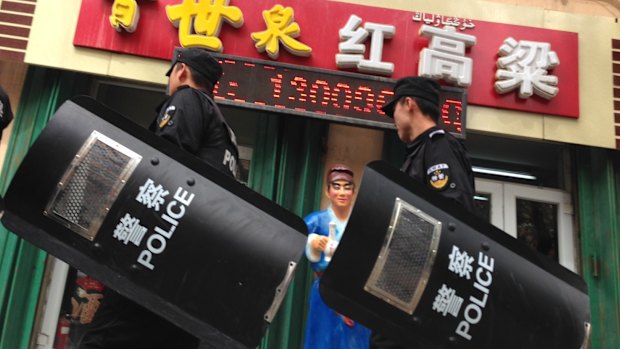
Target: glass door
{"type": "Point", "coordinates": [489, 201]}
{"type": "Point", "coordinates": [539, 217]}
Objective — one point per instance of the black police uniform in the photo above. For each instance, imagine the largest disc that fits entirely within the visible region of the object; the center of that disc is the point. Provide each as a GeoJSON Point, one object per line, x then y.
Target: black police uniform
{"type": "Point", "coordinates": [437, 159]}
{"type": "Point", "coordinates": [191, 119]}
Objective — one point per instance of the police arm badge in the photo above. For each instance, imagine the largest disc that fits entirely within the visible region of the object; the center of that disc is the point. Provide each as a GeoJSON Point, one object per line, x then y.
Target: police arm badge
{"type": "Point", "coordinates": [438, 176]}
{"type": "Point", "coordinates": [166, 119]}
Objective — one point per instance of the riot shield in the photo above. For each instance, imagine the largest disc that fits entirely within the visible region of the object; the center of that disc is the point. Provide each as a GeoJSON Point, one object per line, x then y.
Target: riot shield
{"type": "Point", "coordinates": [156, 224]}
{"type": "Point", "coordinates": [421, 271]}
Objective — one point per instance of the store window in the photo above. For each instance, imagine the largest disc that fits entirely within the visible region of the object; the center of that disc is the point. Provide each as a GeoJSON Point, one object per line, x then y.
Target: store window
{"type": "Point", "coordinates": [537, 226]}
{"type": "Point", "coordinates": [541, 218]}
{"type": "Point", "coordinates": [522, 188]}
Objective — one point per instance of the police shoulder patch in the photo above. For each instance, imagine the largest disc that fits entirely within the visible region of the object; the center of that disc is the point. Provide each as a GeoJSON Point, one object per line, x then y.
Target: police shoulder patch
{"type": "Point", "coordinates": [438, 176]}
{"type": "Point", "coordinates": [166, 119]}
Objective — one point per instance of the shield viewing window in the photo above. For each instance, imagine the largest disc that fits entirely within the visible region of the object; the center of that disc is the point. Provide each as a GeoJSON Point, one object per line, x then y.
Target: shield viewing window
{"type": "Point", "coordinates": [91, 184]}
{"type": "Point", "coordinates": [403, 266]}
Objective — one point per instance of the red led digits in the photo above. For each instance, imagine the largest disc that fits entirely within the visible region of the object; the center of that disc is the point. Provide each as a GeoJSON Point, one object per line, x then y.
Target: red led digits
{"type": "Point", "coordinates": [326, 99]}
{"type": "Point", "coordinates": [317, 93]}
{"type": "Point", "coordinates": [300, 85]}
{"type": "Point", "coordinates": [451, 114]}
{"type": "Point", "coordinates": [277, 85]}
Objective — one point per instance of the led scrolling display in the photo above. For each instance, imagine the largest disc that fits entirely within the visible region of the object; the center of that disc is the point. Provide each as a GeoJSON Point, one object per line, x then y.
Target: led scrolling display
{"type": "Point", "coordinates": [335, 96]}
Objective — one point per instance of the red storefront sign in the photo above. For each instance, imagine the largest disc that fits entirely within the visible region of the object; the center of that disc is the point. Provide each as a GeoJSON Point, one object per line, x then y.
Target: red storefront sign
{"type": "Point", "coordinates": [320, 21]}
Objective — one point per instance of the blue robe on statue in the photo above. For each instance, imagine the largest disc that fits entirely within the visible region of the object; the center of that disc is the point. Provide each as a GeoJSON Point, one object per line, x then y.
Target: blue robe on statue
{"type": "Point", "coordinates": [326, 329]}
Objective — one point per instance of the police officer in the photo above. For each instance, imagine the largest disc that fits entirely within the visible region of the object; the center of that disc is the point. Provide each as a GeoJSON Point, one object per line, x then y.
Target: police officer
{"type": "Point", "coordinates": [190, 118]}
{"type": "Point", "coordinates": [434, 157]}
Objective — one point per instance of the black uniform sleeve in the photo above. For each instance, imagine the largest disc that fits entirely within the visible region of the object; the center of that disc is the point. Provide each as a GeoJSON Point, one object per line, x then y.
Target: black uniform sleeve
{"type": "Point", "coordinates": [447, 170]}
{"type": "Point", "coordinates": [6, 113]}
{"type": "Point", "coordinates": [183, 120]}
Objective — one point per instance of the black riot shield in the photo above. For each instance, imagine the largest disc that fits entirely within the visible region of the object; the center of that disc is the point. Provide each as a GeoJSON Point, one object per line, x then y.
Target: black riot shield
{"type": "Point", "coordinates": [424, 273]}
{"type": "Point", "coordinates": [156, 224]}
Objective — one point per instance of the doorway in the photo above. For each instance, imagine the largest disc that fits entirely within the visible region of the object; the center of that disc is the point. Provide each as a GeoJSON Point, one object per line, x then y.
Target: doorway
{"type": "Point", "coordinates": [540, 217]}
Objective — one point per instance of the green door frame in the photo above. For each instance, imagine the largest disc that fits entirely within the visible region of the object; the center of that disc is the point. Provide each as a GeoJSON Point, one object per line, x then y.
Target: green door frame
{"type": "Point", "coordinates": [598, 182]}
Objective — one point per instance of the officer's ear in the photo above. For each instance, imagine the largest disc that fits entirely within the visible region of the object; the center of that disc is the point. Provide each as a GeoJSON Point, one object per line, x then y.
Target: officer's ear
{"type": "Point", "coordinates": [410, 103]}
{"type": "Point", "coordinates": [180, 71]}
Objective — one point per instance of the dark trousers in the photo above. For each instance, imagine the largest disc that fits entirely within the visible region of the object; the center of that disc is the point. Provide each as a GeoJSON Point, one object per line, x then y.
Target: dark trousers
{"type": "Point", "coordinates": [380, 341]}
{"type": "Point", "coordinates": [122, 324]}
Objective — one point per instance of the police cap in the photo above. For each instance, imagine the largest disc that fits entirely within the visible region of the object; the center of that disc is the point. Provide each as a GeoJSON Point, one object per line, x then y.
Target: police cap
{"type": "Point", "coordinates": [200, 60]}
{"type": "Point", "coordinates": [413, 86]}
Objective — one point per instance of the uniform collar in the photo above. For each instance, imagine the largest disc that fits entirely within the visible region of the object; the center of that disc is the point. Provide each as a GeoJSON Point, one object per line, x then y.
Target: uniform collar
{"type": "Point", "coordinates": [423, 137]}
{"type": "Point", "coordinates": [182, 87]}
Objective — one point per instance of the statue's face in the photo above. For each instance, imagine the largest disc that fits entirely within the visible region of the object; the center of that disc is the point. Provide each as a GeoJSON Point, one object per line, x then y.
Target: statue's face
{"type": "Point", "coordinates": [340, 193]}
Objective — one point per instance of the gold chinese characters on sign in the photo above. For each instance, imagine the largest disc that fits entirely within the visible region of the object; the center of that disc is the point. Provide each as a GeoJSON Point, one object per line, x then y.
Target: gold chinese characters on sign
{"type": "Point", "coordinates": [199, 23]}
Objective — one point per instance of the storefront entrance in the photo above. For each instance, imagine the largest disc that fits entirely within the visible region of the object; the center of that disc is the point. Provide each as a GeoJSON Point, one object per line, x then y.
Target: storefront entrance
{"type": "Point", "coordinates": [285, 156]}
{"type": "Point", "coordinates": [540, 217]}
